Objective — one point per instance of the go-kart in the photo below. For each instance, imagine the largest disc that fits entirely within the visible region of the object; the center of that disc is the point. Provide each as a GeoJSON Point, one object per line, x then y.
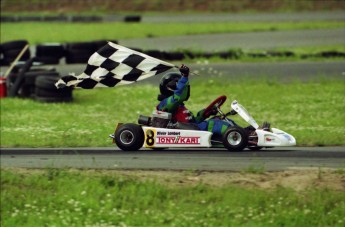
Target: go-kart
{"type": "Point", "coordinates": [159, 132]}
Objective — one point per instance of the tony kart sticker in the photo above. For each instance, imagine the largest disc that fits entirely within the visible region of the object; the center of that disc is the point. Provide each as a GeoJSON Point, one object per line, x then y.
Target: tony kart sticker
{"type": "Point", "coordinates": [156, 137]}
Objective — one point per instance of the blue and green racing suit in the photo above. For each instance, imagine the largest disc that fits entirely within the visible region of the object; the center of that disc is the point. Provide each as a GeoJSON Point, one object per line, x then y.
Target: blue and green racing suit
{"type": "Point", "coordinates": [174, 104]}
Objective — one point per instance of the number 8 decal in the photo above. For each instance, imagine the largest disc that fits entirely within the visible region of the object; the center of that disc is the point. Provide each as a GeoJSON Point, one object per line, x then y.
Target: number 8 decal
{"type": "Point", "coordinates": [150, 137]}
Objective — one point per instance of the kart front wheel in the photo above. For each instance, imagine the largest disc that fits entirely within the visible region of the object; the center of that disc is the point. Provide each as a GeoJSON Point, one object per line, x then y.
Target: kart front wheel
{"type": "Point", "coordinates": [235, 139]}
{"type": "Point", "coordinates": [129, 137]}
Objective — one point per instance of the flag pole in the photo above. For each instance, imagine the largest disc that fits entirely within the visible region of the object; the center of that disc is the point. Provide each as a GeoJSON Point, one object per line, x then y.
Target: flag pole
{"type": "Point", "coordinates": [16, 60]}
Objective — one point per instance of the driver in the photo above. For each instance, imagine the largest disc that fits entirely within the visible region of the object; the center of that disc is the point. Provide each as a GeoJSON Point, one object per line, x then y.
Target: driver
{"type": "Point", "coordinates": [174, 91]}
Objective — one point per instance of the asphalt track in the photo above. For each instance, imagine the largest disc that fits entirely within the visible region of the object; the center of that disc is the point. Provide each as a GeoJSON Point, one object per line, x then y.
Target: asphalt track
{"type": "Point", "coordinates": [274, 159]}
{"type": "Point", "coordinates": [244, 17]}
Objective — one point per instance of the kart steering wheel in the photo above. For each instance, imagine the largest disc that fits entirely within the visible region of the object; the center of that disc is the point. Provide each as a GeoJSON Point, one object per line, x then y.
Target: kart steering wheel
{"type": "Point", "coordinates": [218, 102]}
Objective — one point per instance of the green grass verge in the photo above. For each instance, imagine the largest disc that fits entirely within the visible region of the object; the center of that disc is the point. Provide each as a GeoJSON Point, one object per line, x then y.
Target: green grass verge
{"type": "Point", "coordinates": [74, 198]}
{"type": "Point", "coordinates": [40, 32]}
{"type": "Point", "coordinates": [313, 111]}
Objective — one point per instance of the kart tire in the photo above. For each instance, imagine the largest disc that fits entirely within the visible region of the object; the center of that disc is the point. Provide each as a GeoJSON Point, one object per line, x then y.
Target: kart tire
{"type": "Point", "coordinates": [129, 137]}
{"type": "Point", "coordinates": [235, 139]}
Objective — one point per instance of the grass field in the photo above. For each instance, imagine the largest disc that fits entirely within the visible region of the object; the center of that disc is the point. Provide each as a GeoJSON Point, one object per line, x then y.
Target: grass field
{"type": "Point", "coordinates": [37, 32]}
{"type": "Point", "coordinates": [313, 112]}
{"type": "Point", "coordinates": [90, 198]}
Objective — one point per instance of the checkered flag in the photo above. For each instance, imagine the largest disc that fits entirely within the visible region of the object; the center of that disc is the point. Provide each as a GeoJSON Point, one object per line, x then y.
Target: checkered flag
{"type": "Point", "coordinates": [114, 65]}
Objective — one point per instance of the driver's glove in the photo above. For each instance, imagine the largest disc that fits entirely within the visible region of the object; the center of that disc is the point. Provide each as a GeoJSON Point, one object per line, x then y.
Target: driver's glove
{"type": "Point", "coordinates": [232, 112]}
{"type": "Point", "coordinates": [184, 70]}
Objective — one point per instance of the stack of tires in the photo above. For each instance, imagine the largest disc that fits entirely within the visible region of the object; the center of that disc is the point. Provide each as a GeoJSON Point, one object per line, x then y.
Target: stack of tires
{"type": "Point", "coordinates": [26, 89]}
{"type": "Point", "coordinates": [26, 81]}
{"type": "Point", "coordinates": [10, 51]}
{"type": "Point", "coordinates": [79, 52]}
{"type": "Point", "coordinates": [50, 53]}
{"type": "Point", "coordinates": [45, 90]}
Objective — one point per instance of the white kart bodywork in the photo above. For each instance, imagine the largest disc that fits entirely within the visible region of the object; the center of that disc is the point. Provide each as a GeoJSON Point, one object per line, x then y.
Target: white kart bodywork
{"type": "Point", "coordinates": [273, 138]}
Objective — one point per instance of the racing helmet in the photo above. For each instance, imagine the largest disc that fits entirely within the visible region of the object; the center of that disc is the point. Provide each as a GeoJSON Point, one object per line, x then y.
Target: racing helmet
{"type": "Point", "coordinates": [168, 83]}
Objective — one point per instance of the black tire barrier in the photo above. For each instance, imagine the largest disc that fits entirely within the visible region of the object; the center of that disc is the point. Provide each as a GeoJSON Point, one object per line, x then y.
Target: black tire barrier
{"type": "Point", "coordinates": [330, 54]}
{"type": "Point", "coordinates": [66, 18]}
{"type": "Point", "coordinates": [10, 51]}
{"type": "Point", "coordinates": [16, 44]}
{"type": "Point", "coordinates": [207, 55]}
{"type": "Point", "coordinates": [189, 54]}
{"type": "Point", "coordinates": [230, 54]}
{"type": "Point", "coordinates": [30, 18]}
{"type": "Point", "coordinates": [77, 57]}
{"type": "Point", "coordinates": [4, 19]}
{"type": "Point", "coordinates": [30, 77]}
{"type": "Point", "coordinates": [14, 88]}
{"type": "Point", "coordinates": [50, 53]}
{"type": "Point", "coordinates": [86, 19]}
{"type": "Point", "coordinates": [59, 93]}
{"type": "Point", "coordinates": [257, 55]}
{"type": "Point", "coordinates": [2, 61]}
{"type": "Point", "coordinates": [47, 83]}
{"type": "Point", "coordinates": [173, 56]}
{"type": "Point", "coordinates": [48, 60]}
{"type": "Point", "coordinates": [154, 53]}
{"type": "Point", "coordinates": [28, 87]}
{"type": "Point", "coordinates": [79, 52]}
{"type": "Point", "coordinates": [280, 54]}
{"type": "Point", "coordinates": [60, 18]}
{"type": "Point", "coordinates": [53, 99]}
{"type": "Point", "coordinates": [132, 18]}
{"type": "Point", "coordinates": [100, 43]}
{"type": "Point", "coordinates": [45, 90]}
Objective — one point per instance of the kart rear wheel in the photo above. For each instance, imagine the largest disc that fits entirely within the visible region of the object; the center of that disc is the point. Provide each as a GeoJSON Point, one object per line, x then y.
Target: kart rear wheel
{"type": "Point", "coordinates": [129, 137]}
{"type": "Point", "coordinates": [235, 139]}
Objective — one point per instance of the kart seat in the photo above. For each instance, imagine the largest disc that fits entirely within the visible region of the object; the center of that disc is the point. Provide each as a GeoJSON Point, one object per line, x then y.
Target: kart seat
{"type": "Point", "coordinates": [186, 126]}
